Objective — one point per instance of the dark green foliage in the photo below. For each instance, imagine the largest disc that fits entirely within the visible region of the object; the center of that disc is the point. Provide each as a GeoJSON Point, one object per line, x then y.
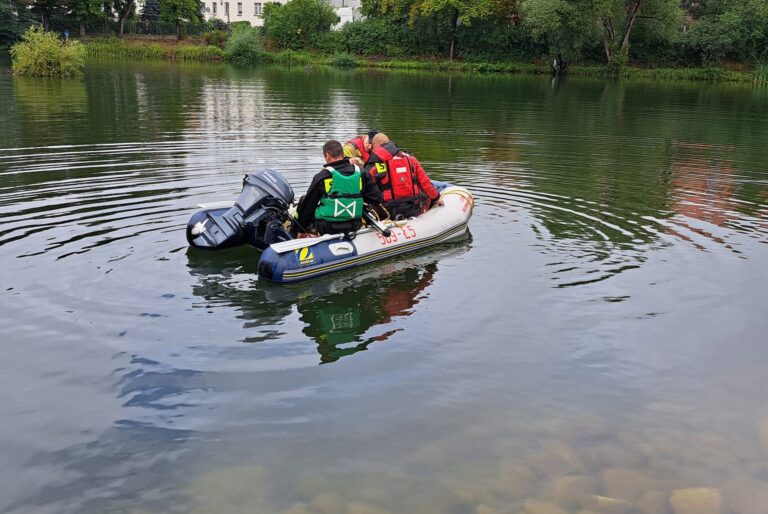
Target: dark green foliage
{"type": "Point", "coordinates": [239, 25]}
{"type": "Point", "coordinates": [528, 31]}
{"type": "Point", "coordinates": [14, 20]}
{"type": "Point", "coordinates": [330, 42]}
{"type": "Point", "coordinates": [244, 47]}
{"type": "Point", "coordinates": [395, 38]}
{"type": "Point", "coordinates": [299, 23]}
{"type": "Point", "coordinates": [150, 11]}
{"type": "Point", "coordinates": [216, 38]}
{"type": "Point", "coordinates": [493, 40]}
{"type": "Point", "coordinates": [344, 60]}
{"type": "Point", "coordinates": [217, 24]}
{"type": "Point", "coordinates": [82, 12]}
{"type": "Point", "coordinates": [46, 10]}
{"type": "Point", "coordinates": [731, 29]}
{"type": "Point", "coordinates": [180, 11]}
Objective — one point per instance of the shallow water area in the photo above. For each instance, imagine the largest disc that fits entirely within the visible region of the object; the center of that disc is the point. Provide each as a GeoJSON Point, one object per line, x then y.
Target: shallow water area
{"type": "Point", "coordinates": [594, 345]}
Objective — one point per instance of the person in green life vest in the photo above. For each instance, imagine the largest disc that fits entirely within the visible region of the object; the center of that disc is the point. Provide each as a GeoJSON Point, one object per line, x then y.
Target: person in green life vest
{"type": "Point", "coordinates": [334, 201]}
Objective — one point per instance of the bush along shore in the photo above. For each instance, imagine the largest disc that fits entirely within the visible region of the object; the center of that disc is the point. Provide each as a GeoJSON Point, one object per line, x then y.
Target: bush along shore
{"type": "Point", "coordinates": [724, 40]}
{"type": "Point", "coordinates": [43, 54]}
{"type": "Point", "coordinates": [243, 48]}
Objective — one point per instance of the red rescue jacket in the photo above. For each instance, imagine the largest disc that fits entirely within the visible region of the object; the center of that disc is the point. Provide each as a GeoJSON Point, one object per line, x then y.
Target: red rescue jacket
{"type": "Point", "coordinates": [359, 148]}
{"type": "Point", "coordinates": [399, 175]}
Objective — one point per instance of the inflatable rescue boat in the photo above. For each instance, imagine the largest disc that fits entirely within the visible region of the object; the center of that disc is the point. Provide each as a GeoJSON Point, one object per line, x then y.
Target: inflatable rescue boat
{"type": "Point", "coordinates": [258, 217]}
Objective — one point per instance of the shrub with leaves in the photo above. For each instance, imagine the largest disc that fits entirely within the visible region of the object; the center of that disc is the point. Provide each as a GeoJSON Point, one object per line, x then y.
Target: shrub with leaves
{"type": "Point", "coordinates": [216, 38]}
{"type": "Point", "coordinates": [298, 24]}
{"type": "Point", "coordinates": [244, 47]}
{"type": "Point", "coordinates": [43, 54]}
{"type": "Point", "coordinates": [344, 60]}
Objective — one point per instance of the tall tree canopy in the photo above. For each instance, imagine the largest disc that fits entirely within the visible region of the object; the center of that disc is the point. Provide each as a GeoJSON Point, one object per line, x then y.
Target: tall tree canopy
{"type": "Point", "coordinates": [83, 11]}
{"type": "Point", "coordinates": [178, 11]}
{"type": "Point", "coordinates": [14, 20]}
{"type": "Point", "coordinates": [568, 27]}
{"type": "Point", "coordinates": [150, 11]}
{"type": "Point", "coordinates": [299, 23]}
{"type": "Point", "coordinates": [620, 17]}
{"type": "Point", "coordinates": [458, 11]}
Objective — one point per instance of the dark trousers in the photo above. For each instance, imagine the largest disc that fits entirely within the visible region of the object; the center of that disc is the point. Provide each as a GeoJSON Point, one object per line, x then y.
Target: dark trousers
{"type": "Point", "coordinates": [338, 227]}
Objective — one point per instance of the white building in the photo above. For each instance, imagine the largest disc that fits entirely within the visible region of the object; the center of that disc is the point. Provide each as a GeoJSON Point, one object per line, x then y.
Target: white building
{"type": "Point", "coordinates": [238, 10]}
{"type": "Point", "coordinates": [235, 10]}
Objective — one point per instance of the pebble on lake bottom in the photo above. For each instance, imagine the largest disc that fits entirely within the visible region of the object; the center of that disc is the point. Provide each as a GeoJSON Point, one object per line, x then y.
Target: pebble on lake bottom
{"type": "Point", "coordinates": [696, 500]}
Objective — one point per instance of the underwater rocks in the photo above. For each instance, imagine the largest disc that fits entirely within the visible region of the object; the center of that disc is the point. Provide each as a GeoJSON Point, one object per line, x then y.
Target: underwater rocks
{"type": "Point", "coordinates": [696, 500]}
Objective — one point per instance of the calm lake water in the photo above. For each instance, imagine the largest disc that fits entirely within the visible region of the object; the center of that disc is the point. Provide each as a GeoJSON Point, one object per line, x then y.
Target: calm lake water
{"type": "Point", "coordinates": [598, 344]}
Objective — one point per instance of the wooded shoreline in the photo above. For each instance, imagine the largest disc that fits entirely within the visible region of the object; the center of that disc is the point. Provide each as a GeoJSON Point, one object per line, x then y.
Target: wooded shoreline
{"type": "Point", "coordinates": [136, 49]}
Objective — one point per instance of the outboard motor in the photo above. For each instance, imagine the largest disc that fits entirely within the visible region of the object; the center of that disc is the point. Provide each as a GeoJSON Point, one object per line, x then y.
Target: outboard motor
{"type": "Point", "coordinates": [256, 217]}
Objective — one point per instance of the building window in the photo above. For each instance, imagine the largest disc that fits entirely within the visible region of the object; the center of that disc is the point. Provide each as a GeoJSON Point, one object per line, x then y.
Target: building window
{"type": "Point", "coordinates": [226, 8]}
{"type": "Point", "coordinates": [213, 7]}
{"type": "Point", "coordinates": [257, 9]}
{"type": "Point", "coordinates": [239, 8]}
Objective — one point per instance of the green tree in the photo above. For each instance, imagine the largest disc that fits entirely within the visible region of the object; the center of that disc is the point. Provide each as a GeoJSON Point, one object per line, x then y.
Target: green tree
{"type": "Point", "coordinates": [458, 12]}
{"type": "Point", "coordinates": [299, 23]}
{"type": "Point", "coordinates": [150, 11]}
{"type": "Point", "coordinates": [124, 9]}
{"type": "Point", "coordinates": [567, 27]}
{"type": "Point", "coordinates": [620, 17]}
{"type": "Point", "coordinates": [47, 9]}
{"type": "Point", "coordinates": [179, 11]}
{"type": "Point", "coordinates": [736, 29]}
{"type": "Point", "coordinates": [83, 11]}
{"type": "Point", "coordinates": [14, 20]}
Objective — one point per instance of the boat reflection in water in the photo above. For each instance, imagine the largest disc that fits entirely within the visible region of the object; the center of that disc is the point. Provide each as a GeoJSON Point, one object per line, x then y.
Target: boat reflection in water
{"type": "Point", "coordinates": [341, 321]}
{"type": "Point", "coordinates": [343, 314]}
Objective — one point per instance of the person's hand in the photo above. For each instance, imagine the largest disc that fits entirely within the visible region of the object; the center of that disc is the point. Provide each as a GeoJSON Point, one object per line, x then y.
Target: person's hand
{"type": "Point", "coordinates": [439, 202]}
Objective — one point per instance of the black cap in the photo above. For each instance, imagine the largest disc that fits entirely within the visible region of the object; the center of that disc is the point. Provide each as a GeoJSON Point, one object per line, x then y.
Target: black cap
{"type": "Point", "coordinates": [372, 133]}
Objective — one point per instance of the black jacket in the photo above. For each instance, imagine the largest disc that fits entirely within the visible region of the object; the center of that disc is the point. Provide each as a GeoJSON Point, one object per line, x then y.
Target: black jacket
{"type": "Point", "coordinates": [308, 204]}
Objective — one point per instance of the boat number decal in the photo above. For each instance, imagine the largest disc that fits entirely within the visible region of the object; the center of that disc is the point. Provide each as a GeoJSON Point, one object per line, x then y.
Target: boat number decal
{"type": "Point", "coordinates": [387, 240]}
{"type": "Point", "coordinates": [406, 232]}
{"type": "Point", "coordinates": [465, 202]}
{"type": "Point", "coordinates": [305, 256]}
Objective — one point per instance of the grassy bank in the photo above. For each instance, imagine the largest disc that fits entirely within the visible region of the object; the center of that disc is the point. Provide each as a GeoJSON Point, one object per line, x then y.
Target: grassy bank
{"type": "Point", "coordinates": [114, 48]}
{"type": "Point", "coordinates": [143, 50]}
{"type": "Point", "coordinates": [712, 74]}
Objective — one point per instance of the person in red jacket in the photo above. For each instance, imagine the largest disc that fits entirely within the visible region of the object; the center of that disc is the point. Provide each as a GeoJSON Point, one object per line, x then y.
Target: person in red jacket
{"type": "Point", "coordinates": [358, 149]}
{"type": "Point", "coordinates": [404, 185]}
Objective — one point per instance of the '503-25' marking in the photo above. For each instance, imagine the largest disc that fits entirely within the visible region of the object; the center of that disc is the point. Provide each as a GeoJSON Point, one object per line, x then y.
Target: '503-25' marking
{"type": "Point", "coordinates": [396, 233]}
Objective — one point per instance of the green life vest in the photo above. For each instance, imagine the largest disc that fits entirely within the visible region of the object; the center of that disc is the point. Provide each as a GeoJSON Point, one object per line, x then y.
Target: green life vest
{"type": "Point", "coordinates": [343, 198]}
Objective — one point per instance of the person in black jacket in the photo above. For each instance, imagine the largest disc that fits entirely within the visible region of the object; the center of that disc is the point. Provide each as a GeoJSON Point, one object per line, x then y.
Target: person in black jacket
{"type": "Point", "coordinates": [305, 213]}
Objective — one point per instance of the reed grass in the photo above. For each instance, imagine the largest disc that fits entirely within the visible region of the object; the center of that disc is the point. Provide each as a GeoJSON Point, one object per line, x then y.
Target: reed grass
{"type": "Point", "coordinates": [198, 53]}
{"type": "Point", "coordinates": [761, 74]}
{"type": "Point", "coordinates": [113, 48]}
{"type": "Point", "coordinates": [294, 58]}
{"type": "Point", "coordinates": [116, 49]}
